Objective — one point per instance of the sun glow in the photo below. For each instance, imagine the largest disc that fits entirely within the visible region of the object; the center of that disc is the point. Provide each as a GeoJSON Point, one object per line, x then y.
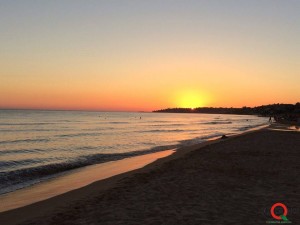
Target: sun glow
{"type": "Point", "coordinates": [191, 99]}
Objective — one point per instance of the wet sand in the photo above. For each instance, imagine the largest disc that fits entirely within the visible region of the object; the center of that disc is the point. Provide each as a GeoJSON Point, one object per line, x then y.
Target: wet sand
{"type": "Point", "coordinates": [76, 179]}
{"type": "Point", "coordinates": [230, 181]}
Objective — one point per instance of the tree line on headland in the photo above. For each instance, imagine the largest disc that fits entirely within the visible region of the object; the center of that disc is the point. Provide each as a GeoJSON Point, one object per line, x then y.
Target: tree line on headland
{"type": "Point", "coordinates": [264, 110]}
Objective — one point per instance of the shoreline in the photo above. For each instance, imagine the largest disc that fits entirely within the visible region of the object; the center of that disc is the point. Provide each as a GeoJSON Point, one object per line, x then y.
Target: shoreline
{"type": "Point", "coordinates": [30, 161]}
{"type": "Point", "coordinates": [76, 179]}
{"type": "Point", "coordinates": [66, 181]}
{"type": "Point", "coordinates": [53, 205]}
{"type": "Point", "coordinates": [60, 201]}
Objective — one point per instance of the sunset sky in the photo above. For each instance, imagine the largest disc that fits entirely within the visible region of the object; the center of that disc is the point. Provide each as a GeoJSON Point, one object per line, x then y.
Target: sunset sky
{"type": "Point", "coordinates": [145, 55]}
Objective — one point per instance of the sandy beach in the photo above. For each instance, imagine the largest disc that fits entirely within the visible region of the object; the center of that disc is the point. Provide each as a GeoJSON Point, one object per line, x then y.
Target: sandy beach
{"type": "Point", "coordinates": [75, 179]}
{"type": "Point", "coordinates": [230, 181]}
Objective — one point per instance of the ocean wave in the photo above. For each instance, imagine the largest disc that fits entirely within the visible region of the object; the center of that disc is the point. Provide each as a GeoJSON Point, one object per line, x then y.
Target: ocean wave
{"type": "Point", "coordinates": [23, 162]}
{"type": "Point", "coordinates": [99, 128]}
{"type": "Point", "coordinates": [167, 125]}
{"type": "Point", "coordinates": [78, 135]}
{"type": "Point", "coordinates": [159, 130]}
{"type": "Point", "coordinates": [30, 130]}
{"type": "Point", "coordinates": [117, 122]}
{"type": "Point", "coordinates": [248, 127]}
{"type": "Point", "coordinates": [16, 177]}
{"type": "Point", "coordinates": [25, 140]}
{"type": "Point", "coordinates": [68, 121]}
{"type": "Point", "coordinates": [200, 139]}
{"type": "Point", "coordinates": [20, 151]}
{"type": "Point", "coordinates": [216, 122]}
{"type": "Point", "coordinates": [26, 124]}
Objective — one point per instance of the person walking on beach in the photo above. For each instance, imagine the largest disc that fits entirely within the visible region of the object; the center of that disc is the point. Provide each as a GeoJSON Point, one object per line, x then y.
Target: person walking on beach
{"type": "Point", "coordinates": [270, 119]}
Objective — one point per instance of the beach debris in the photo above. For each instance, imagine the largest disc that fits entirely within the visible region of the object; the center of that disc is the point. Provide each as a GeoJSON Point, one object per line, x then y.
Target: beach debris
{"type": "Point", "coordinates": [224, 137]}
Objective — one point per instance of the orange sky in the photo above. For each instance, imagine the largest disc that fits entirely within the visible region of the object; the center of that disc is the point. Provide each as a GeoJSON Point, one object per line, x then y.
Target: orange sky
{"type": "Point", "coordinates": [148, 55]}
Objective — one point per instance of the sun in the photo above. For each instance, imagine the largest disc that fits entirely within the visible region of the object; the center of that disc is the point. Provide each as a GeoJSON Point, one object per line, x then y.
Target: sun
{"type": "Point", "coordinates": [191, 99]}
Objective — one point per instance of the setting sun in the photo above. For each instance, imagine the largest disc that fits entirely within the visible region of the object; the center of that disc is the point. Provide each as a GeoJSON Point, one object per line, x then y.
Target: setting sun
{"type": "Point", "coordinates": [192, 99]}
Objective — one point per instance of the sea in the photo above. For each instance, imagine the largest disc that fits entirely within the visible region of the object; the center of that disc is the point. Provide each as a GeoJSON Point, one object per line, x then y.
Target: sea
{"type": "Point", "coordinates": [38, 145]}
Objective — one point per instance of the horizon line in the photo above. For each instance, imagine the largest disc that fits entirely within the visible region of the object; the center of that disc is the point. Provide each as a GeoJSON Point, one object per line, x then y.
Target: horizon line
{"type": "Point", "coordinates": [141, 111]}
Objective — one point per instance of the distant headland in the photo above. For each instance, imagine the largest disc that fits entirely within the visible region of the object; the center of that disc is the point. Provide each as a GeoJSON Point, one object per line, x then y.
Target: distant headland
{"type": "Point", "coordinates": [264, 110]}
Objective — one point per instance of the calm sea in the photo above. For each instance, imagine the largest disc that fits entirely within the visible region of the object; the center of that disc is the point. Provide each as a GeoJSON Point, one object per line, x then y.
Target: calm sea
{"type": "Point", "coordinates": [37, 145]}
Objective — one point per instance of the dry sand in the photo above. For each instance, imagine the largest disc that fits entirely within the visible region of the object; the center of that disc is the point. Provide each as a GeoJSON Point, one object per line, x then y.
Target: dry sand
{"type": "Point", "coordinates": [231, 181]}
